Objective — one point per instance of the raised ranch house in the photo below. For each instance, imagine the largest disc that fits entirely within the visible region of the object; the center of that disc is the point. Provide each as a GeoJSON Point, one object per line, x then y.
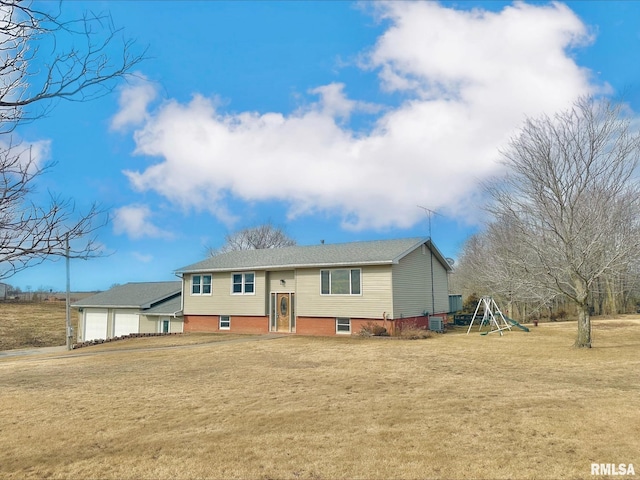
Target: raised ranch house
{"type": "Point", "coordinates": [153, 307]}
{"type": "Point", "coordinates": [317, 290]}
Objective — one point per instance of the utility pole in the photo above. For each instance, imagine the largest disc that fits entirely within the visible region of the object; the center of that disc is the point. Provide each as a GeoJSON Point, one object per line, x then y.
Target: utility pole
{"type": "Point", "coordinates": [68, 296]}
{"type": "Point", "coordinates": [430, 212]}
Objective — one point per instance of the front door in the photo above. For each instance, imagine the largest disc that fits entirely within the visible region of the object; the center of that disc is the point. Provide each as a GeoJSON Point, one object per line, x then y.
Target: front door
{"type": "Point", "coordinates": [283, 312]}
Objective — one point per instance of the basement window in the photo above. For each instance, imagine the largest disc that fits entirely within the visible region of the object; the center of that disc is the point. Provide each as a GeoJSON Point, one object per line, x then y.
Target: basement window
{"type": "Point", "coordinates": [225, 322]}
{"type": "Point", "coordinates": [343, 325]}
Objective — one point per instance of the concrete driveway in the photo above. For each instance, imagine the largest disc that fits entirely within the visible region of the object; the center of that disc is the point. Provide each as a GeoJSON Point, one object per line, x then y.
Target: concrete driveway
{"type": "Point", "coordinates": [62, 350]}
{"type": "Point", "coordinates": [32, 351]}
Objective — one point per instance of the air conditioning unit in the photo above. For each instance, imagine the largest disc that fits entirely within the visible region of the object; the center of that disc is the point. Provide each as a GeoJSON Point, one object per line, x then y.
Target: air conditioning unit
{"type": "Point", "coordinates": [436, 324]}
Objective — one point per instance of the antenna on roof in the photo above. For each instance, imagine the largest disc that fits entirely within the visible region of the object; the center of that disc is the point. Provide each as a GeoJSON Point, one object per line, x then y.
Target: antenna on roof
{"type": "Point", "coordinates": [430, 212]}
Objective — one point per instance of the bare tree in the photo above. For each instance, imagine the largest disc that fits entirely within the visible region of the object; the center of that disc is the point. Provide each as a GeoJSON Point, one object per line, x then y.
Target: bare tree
{"type": "Point", "coordinates": [486, 266]}
{"type": "Point", "coordinates": [570, 203]}
{"type": "Point", "coordinates": [35, 71]}
{"type": "Point", "coordinates": [30, 233]}
{"type": "Point", "coordinates": [255, 238]}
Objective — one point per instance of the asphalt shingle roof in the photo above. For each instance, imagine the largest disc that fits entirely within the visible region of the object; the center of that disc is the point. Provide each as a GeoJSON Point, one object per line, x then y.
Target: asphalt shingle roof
{"type": "Point", "coordinates": [325, 255]}
{"type": "Point", "coordinates": [169, 307]}
{"type": "Point", "coordinates": [133, 295]}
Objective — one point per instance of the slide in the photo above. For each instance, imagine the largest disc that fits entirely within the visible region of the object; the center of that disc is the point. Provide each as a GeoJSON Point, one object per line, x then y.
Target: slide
{"type": "Point", "coordinates": [516, 324]}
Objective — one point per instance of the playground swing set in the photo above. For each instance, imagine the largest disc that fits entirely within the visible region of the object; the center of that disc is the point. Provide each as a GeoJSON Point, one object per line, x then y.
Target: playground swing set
{"type": "Point", "coordinates": [492, 317]}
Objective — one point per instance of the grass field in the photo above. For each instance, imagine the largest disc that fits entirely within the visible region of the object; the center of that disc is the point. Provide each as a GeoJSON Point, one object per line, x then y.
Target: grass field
{"type": "Point", "coordinates": [526, 405]}
{"type": "Point", "coordinates": [37, 324]}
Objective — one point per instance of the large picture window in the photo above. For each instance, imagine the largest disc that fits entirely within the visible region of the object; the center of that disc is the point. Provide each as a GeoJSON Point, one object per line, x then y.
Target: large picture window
{"type": "Point", "coordinates": [341, 281]}
{"type": "Point", "coordinates": [243, 283]}
{"type": "Point", "coordinates": [201, 285]}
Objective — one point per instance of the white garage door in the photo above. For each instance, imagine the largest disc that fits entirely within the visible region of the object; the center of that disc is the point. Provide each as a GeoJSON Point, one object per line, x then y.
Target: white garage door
{"type": "Point", "coordinates": [126, 323]}
{"type": "Point", "coordinates": [95, 325]}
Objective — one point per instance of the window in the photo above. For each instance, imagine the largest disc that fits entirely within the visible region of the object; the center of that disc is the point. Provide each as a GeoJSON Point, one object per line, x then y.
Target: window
{"type": "Point", "coordinates": [225, 322]}
{"type": "Point", "coordinates": [343, 325]}
{"type": "Point", "coordinates": [243, 283]}
{"type": "Point", "coordinates": [341, 282]}
{"type": "Point", "coordinates": [201, 285]}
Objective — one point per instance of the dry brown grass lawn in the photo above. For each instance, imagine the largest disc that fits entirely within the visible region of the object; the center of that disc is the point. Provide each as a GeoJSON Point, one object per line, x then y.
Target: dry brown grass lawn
{"type": "Point", "coordinates": [37, 324]}
{"type": "Point", "coordinates": [42, 324]}
{"type": "Point", "coordinates": [526, 405]}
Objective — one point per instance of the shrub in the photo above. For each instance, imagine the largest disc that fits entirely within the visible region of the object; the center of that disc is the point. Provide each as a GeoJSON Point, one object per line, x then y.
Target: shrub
{"type": "Point", "coordinates": [372, 329]}
{"type": "Point", "coordinates": [414, 333]}
{"type": "Point", "coordinates": [471, 303]}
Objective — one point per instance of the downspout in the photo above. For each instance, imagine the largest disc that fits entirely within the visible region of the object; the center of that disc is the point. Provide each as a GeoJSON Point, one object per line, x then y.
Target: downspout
{"type": "Point", "coordinates": [180, 276]}
{"type": "Point", "coordinates": [181, 292]}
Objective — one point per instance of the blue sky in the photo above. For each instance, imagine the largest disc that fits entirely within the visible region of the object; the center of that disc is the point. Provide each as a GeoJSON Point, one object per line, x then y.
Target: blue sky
{"type": "Point", "coordinates": [333, 120]}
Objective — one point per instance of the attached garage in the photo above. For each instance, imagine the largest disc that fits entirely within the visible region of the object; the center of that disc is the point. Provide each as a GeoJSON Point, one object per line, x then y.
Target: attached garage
{"type": "Point", "coordinates": [130, 308]}
{"type": "Point", "coordinates": [125, 323]}
{"type": "Point", "coordinates": [95, 324]}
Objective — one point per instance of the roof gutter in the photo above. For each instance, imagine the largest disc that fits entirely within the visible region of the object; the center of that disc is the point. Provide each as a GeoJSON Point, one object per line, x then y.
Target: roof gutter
{"type": "Point", "coordinates": [286, 267]}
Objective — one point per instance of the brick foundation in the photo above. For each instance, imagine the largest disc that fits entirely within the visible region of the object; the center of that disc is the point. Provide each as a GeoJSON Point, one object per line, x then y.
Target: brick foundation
{"type": "Point", "coordinates": [239, 324]}
{"type": "Point", "coordinates": [315, 326]}
{"type": "Point", "coordinates": [326, 326]}
{"type": "Point", "coordinates": [417, 322]}
{"type": "Point", "coordinates": [412, 322]}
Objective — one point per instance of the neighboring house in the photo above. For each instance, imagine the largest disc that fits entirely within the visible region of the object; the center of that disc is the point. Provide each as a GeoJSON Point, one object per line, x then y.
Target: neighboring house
{"type": "Point", "coordinates": [153, 307]}
{"type": "Point", "coordinates": [316, 290]}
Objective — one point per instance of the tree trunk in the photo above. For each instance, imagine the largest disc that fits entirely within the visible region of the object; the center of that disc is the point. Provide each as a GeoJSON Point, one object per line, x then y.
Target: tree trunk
{"type": "Point", "coordinates": [612, 285]}
{"type": "Point", "coordinates": [584, 326]}
{"type": "Point", "coordinates": [583, 339]}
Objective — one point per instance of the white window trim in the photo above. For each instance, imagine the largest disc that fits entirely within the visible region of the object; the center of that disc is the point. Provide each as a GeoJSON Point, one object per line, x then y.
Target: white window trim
{"type": "Point", "coordinates": [243, 274]}
{"type": "Point", "coordinates": [220, 327]}
{"type": "Point", "coordinates": [330, 294]}
{"type": "Point", "coordinates": [201, 275]}
{"type": "Point", "coordinates": [339, 332]}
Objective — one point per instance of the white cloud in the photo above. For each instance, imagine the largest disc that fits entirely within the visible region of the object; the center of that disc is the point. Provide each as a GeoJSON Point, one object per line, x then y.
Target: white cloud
{"type": "Point", "coordinates": [134, 100]}
{"type": "Point", "coordinates": [133, 221]}
{"type": "Point", "coordinates": [334, 103]}
{"type": "Point", "coordinates": [28, 155]}
{"type": "Point", "coordinates": [470, 78]}
{"type": "Point", "coordinates": [142, 257]}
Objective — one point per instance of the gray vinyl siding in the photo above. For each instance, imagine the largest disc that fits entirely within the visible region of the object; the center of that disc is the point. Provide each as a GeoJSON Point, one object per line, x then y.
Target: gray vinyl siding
{"type": "Point", "coordinates": [374, 300]}
{"type": "Point", "coordinates": [412, 285]}
{"type": "Point", "coordinates": [222, 301]}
